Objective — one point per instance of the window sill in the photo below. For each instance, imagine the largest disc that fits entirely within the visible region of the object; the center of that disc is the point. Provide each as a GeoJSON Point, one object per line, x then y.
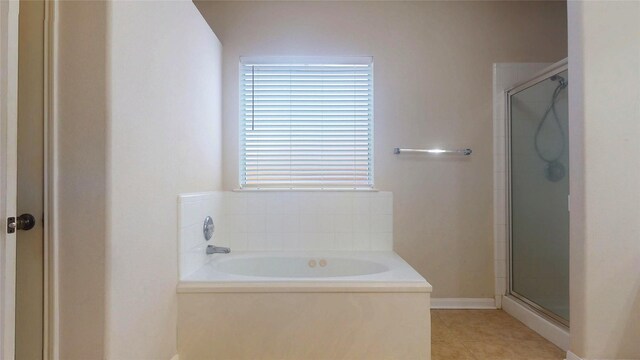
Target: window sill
{"type": "Point", "coordinates": [304, 190]}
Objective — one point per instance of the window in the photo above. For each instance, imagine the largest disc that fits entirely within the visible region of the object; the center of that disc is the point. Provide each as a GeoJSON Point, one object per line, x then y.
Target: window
{"type": "Point", "coordinates": [306, 123]}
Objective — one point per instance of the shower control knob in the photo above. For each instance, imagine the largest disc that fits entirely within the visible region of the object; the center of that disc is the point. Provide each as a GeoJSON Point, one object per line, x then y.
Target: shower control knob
{"type": "Point", "coordinates": [208, 228]}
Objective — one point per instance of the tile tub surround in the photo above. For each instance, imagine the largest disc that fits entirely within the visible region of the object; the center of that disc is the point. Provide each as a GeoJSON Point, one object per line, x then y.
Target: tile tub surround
{"type": "Point", "coordinates": [304, 325]}
{"type": "Point", "coordinates": [192, 210]}
{"type": "Point", "coordinates": [284, 221]}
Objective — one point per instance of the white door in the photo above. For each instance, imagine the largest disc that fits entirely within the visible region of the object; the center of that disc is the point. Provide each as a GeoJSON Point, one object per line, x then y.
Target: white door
{"type": "Point", "coordinates": [8, 172]}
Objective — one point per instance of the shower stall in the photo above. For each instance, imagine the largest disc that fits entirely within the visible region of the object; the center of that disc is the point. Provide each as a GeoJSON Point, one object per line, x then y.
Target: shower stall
{"type": "Point", "coordinates": [537, 186]}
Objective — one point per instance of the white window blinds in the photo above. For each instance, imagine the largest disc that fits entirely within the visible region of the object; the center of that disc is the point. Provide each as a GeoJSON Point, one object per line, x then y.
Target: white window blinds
{"type": "Point", "coordinates": [306, 124]}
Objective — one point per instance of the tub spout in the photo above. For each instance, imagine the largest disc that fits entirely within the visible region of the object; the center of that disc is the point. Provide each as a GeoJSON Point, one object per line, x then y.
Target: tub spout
{"type": "Point", "coordinates": [212, 249]}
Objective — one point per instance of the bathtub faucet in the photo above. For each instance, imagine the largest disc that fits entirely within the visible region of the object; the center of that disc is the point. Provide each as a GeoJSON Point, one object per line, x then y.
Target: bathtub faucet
{"type": "Point", "coordinates": [212, 249]}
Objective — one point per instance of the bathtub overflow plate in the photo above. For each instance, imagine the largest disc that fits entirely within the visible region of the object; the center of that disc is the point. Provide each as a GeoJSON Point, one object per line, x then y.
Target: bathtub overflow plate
{"type": "Point", "coordinates": [208, 228]}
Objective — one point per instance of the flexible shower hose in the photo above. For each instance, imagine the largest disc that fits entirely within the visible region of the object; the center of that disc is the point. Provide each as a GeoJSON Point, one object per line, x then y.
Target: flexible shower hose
{"type": "Point", "coordinates": [551, 110]}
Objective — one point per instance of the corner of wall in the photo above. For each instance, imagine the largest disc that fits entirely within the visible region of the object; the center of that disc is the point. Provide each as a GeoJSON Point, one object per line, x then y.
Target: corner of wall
{"type": "Point", "coordinates": [576, 168]}
{"type": "Point", "coordinates": [164, 137]}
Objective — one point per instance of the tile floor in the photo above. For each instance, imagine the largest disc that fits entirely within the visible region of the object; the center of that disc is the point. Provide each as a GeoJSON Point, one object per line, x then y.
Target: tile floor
{"type": "Point", "coordinates": [486, 335]}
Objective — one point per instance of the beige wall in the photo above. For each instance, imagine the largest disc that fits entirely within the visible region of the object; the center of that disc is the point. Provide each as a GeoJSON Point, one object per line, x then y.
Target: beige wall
{"type": "Point", "coordinates": [604, 115]}
{"type": "Point", "coordinates": [433, 68]}
{"type": "Point", "coordinates": [164, 139]}
{"type": "Point", "coordinates": [138, 112]}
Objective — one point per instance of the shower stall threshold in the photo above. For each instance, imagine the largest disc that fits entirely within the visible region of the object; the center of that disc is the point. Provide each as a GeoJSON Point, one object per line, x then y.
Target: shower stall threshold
{"type": "Point", "coordinates": [555, 333]}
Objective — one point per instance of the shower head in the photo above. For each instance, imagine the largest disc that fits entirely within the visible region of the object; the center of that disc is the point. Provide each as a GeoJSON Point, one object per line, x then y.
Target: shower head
{"type": "Point", "coordinates": [562, 81]}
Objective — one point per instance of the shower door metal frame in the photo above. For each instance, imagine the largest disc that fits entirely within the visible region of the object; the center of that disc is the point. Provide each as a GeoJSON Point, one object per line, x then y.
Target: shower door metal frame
{"type": "Point", "coordinates": [540, 77]}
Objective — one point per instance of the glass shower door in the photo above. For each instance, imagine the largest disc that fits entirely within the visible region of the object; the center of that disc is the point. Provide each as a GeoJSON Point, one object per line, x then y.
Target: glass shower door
{"type": "Point", "coordinates": [539, 190]}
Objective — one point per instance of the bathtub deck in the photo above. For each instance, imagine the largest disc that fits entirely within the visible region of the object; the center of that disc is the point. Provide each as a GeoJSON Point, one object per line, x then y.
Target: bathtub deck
{"type": "Point", "coordinates": [400, 277]}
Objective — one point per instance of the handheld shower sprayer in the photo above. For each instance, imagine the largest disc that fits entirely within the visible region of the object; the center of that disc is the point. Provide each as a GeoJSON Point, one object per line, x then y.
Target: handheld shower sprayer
{"type": "Point", "coordinates": [562, 81]}
{"type": "Point", "coordinates": [554, 169]}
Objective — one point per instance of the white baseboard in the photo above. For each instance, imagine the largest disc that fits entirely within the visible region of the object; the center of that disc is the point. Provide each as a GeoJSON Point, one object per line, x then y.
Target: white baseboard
{"type": "Point", "coordinates": [572, 356]}
{"type": "Point", "coordinates": [463, 303]}
{"type": "Point", "coordinates": [548, 330]}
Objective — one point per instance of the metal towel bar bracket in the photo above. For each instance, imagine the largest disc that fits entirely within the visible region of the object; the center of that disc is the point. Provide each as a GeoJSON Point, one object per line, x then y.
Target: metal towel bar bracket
{"type": "Point", "coordinates": [465, 152]}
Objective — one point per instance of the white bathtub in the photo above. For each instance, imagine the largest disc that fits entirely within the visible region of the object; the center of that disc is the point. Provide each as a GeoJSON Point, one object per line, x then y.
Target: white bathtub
{"type": "Point", "coordinates": [304, 305]}
{"type": "Point", "coordinates": [379, 268]}
{"type": "Point", "coordinates": [303, 266]}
